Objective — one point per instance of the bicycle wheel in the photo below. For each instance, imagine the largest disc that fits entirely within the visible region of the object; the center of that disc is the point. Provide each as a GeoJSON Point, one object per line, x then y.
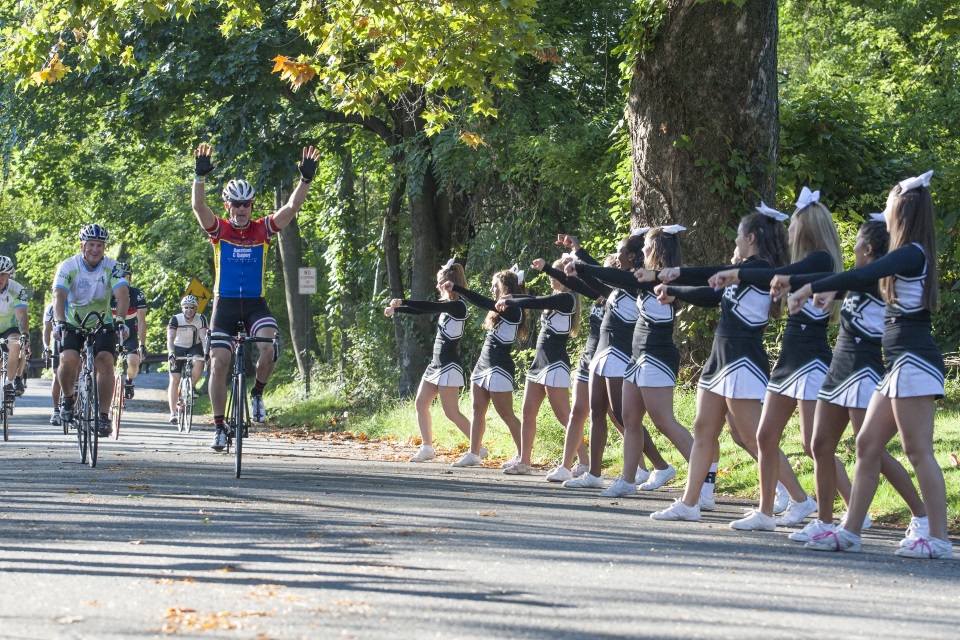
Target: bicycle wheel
{"type": "Point", "coordinates": [79, 418]}
{"type": "Point", "coordinates": [182, 406]}
{"type": "Point", "coordinates": [239, 421]}
{"type": "Point", "coordinates": [116, 405]}
{"type": "Point", "coordinates": [6, 416]}
{"type": "Point", "coordinates": [93, 407]}
{"type": "Point", "coordinates": [188, 412]}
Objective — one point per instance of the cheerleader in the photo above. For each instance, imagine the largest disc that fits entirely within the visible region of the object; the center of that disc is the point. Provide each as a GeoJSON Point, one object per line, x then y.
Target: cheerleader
{"type": "Point", "coordinates": [734, 380]}
{"type": "Point", "coordinates": [801, 368]}
{"type": "Point", "coordinates": [492, 378]}
{"type": "Point", "coordinates": [574, 446]}
{"type": "Point", "coordinates": [652, 373]}
{"type": "Point", "coordinates": [444, 375]}
{"type": "Point", "coordinates": [549, 375]}
{"type": "Point", "coordinates": [904, 400]}
{"type": "Point", "coordinates": [854, 374]}
{"type": "Point", "coordinates": [609, 364]}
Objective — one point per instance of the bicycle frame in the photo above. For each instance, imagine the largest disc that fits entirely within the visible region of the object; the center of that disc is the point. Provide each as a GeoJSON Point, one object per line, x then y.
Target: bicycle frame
{"type": "Point", "coordinates": [238, 407]}
{"type": "Point", "coordinates": [87, 407]}
{"type": "Point", "coordinates": [185, 395]}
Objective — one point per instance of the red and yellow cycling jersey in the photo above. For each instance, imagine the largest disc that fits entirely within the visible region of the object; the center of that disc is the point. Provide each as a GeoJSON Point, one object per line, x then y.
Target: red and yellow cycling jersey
{"type": "Point", "coordinates": [240, 257]}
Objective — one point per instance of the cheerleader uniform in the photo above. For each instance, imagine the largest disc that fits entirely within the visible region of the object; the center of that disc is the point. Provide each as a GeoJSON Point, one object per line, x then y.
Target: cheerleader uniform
{"type": "Point", "coordinates": [445, 368]}
{"type": "Point", "coordinates": [914, 364]}
{"type": "Point", "coordinates": [495, 367]}
{"type": "Point", "coordinates": [593, 290]}
{"type": "Point", "coordinates": [551, 363]}
{"type": "Point", "coordinates": [805, 353]}
{"type": "Point", "coordinates": [738, 367]}
{"type": "Point", "coordinates": [616, 333]}
{"type": "Point", "coordinates": [656, 359]}
{"type": "Point", "coordinates": [857, 357]}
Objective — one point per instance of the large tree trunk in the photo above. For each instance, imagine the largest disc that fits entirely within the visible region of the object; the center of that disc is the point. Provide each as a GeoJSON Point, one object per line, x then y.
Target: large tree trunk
{"type": "Point", "coordinates": [426, 232]}
{"type": "Point", "coordinates": [302, 332]}
{"type": "Point", "coordinates": [704, 121]}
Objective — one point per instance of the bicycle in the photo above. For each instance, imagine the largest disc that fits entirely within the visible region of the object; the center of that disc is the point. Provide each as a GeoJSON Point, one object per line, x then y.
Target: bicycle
{"type": "Point", "coordinates": [119, 400]}
{"type": "Point", "coordinates": [7, 409]}
{"type": "Point", "coordinates": [238, 406]}
{"type": "Point", "coordinates": [185, 399]}
{"type": "Point", "coordinates": [86, 411]}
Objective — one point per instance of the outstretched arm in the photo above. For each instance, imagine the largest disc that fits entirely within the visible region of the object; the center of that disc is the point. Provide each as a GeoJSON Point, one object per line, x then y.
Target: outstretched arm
{"type": "Point", "coordinates": [202, 166]}
{"type": "Point", "coordinates": [307, 168]}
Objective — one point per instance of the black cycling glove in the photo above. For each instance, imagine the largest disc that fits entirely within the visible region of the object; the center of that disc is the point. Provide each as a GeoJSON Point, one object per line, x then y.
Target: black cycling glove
{"type": "Point", "coordinates": [307, 169]}
{"type": "Point", "coordinates": [202, 165]}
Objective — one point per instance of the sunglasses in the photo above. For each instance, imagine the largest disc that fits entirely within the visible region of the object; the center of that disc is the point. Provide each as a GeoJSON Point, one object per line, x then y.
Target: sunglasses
{"type": "Point", "coordinates": [242, 203]}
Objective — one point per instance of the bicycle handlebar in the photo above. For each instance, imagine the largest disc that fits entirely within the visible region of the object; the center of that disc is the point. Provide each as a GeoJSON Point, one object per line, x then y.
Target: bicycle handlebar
{"type": "Point", "coordinates": [82, 323]}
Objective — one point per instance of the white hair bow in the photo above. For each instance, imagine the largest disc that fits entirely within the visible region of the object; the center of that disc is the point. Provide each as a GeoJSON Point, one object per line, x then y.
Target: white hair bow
{"type": "Point", "coordinates": [806, 198]}
{"type": "Point", "coordinates": [878, 217]}
{"type": "Point", "coordinates": [923, 180]}
{"type": "Point", "coordinates": [639, 231]}
{"type": "Point", "coordinates": [449, 263]}
{"type": "Point", "coordinates": [674, 229]}
{"type": "Point", "coordinates": [517, 271]}
{"type": "Point", "coordinates": [779, 216]}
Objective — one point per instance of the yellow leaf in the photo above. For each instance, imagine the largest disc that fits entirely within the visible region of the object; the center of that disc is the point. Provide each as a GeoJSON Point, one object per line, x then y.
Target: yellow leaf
{"type": "Point", "coordinates": [126, 58]}
{"type": "Point", "coordinates": [281, 63]}
{"type": "Point", "coordinates": [472, 139]}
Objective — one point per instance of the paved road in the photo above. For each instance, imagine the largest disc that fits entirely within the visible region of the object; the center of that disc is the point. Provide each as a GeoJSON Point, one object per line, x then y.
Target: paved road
{"type": "Point", "coordinates": [161, 539]}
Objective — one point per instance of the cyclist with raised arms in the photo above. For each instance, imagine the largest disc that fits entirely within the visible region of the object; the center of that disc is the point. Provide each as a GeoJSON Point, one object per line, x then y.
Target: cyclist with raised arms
{"type": "Point", "coordinates": [240, 258]}
{"type": "Point", "coordinates": [136, 321]}
{"type": "Point", "coordinates": [13, 322]}
{"type": "Point", "coordinates": [84, 283]}
{"type": "Point", "coordinates": [186, 333]}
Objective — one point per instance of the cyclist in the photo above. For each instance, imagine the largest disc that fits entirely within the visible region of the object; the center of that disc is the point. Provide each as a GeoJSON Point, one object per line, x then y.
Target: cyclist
{"type": "Point", "coordinates": [240, 257]}
{"type": "Point", "coordinates": [84, 283]}
{"type": "Point", "coordinates": [51, 352]}
{"type": "Point", "coordinates": [13, 322]}
{"type": "Point", "coordinates": [186, 333]}
{"type": "Point", "coordinates": [136, 321]}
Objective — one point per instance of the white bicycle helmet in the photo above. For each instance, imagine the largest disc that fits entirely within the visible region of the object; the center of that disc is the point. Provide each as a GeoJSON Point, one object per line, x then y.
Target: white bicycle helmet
{"type": "Point", "coordinates": [94, 232]}
{"type": "Point", "coordinates": [125, 268]}
{"type": "Point", "coordinates": [238, 190]}
{"type": "Point", "coordinates": [6, 265]}
{"type": "Point", "coordinates": [190, 300]}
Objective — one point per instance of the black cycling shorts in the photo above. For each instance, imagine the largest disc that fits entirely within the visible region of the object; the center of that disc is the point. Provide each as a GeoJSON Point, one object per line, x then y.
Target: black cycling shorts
{"type": "Point", "coordinates": [227, 312]}
{"type": "Point", "coordinates": [181, 352]}
{"type": "Point", "coordinates": [105, 341]}
{"type": "Point", "coordinates": [132, 343]}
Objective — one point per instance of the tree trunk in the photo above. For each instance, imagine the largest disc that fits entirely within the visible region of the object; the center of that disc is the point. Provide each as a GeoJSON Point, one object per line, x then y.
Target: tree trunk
{"type": "Point", "coordinates": [704, 122]}
{"type": "Point", "coordinates": [407, 384]}
{"type": "Point", "coordinates": [302, 332]}
{"type": "Point", "coordinates": [349, 221]}
{"type": "Point", "coordinates": [425, 229]}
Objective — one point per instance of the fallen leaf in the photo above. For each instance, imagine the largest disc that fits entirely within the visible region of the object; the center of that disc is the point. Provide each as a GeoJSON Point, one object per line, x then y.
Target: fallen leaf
{"type": "Point", "coordinates": [954, 460]}
{"type": "Point", "coordinates": [230, 568]}
{"type": "Point", "coordinates": [486, 513]}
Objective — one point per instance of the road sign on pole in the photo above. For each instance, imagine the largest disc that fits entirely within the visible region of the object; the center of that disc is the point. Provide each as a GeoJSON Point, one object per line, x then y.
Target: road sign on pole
{"type": "Point", "coordinates": [308, 280]}
{"type": "Point", "coordinates": [307, 285]}
{"type": "Point", "coordinates": [202, 294]}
